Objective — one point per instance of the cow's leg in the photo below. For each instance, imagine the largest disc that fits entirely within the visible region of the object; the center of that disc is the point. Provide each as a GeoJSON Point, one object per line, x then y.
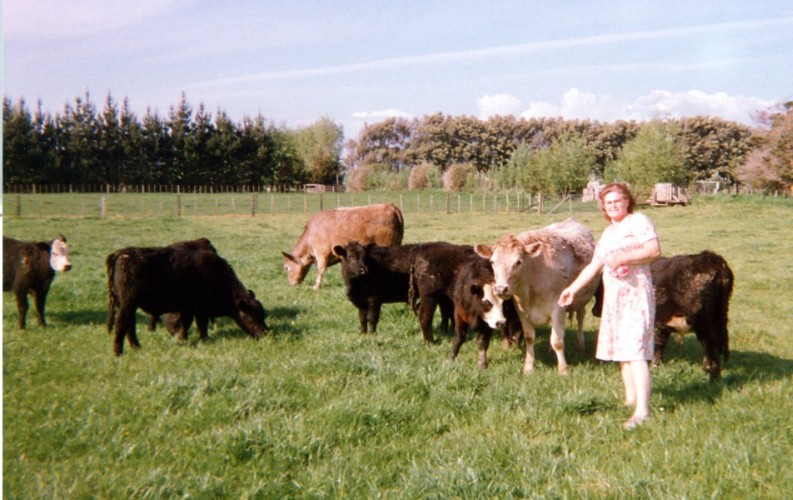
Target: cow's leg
{"type": "Point", "coordinates": [363, 315]}
{"type": "Point", "coordinates": [529, 336]}
{"type": "Point", "coordinates": [460, 331]}
{"type": "Point", "coordinates": [557, 338]}
{"type": "Point", "coordinates": [661, 339]}
{"type": "Point", "coordinates": [185, 320]}
{"type": "Point", "coordinates": [483, 342]}
{"type": "Point", "coordinates": [153, 322]}
{"type": "Point", "coordinates": [22, 307]}
{"type": "Point", "coordinates": [40, 300]}
{"type": "Point", "coordinates": [202, 323]}
{"type": "Point", "coordinates": [580, 344]}
{"type": "Point", "coordinates": [374, 316]}
{"type": "Point", "coordinates": [125, 327]}
{"type": "Point", "coordinates": [322, 264]}
{"type": "Point", "coordinates": [426, 311]}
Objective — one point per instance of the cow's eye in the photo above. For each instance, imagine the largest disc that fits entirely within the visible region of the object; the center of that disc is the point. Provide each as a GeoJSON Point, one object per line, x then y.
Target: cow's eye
{"type": "Point", "coordinates": [517, 263]}
{"type": "Point", "coordinates": [487, 305]}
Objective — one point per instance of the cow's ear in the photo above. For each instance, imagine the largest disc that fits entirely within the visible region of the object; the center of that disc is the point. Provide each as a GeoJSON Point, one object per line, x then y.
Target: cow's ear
{"type": "Point", "coordinates": [534, 249]}
{"type": "Point", "coordinates": [485, 251]}
{"type": "Point", "coordinates": [340, 251]}
{"type": "Point", "coordinates": [289, 256]}
{"type": "Point", "coordinates": [251, 294]}
{"type": "Point", "coordinates": [477, 290]}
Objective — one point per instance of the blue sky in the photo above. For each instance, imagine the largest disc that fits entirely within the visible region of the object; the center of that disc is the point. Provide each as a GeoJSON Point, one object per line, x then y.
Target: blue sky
{"type": "Point", "coordinates": [357, 61]}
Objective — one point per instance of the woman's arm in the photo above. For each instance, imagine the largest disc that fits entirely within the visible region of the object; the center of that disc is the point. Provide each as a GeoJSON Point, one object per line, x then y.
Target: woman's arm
{"type": "Point", "coordinates": [587, 274]}
{"type": "Point", "coordinates": [647, 252]}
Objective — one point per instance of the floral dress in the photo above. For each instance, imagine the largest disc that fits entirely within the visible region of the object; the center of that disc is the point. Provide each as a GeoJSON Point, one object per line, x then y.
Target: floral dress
{"type": "Point", "coordinates": [627, 321]}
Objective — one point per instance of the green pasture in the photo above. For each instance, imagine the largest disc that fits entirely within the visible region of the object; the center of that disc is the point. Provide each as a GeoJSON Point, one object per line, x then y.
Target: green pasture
{"type": "Point", "coordinates": [317, 410]}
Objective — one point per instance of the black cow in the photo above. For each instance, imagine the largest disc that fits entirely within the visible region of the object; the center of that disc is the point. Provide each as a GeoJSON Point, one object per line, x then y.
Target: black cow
{"type": "Point", "coordinates": [194, 283]}
{"type": "Point", "coordinates": [692, 292]}
{"type": "Point", "coordinates": [476, 306]}
{"type": "Point", "coordinates": [29, 268]}
{"type": "Point", "coordinates": [173, 320]}
{"type": "Point", "coordinates": [433, 270]}
{"type": "Point", "coordinates": [376, 275]}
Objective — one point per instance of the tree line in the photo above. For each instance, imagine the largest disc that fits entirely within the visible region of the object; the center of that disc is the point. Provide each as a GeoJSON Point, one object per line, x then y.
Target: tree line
{"type": "Point", "coordinates": [86, 145]}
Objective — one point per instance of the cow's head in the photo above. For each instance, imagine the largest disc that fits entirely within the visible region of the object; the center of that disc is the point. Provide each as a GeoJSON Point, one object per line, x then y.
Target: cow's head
{"type": "Point", "coordinates": [296, 268]}
{"type": "Point", "coordinates": [492, 305]}
{"type": "Point", "coordinates": [509, 258]}
{"type": "Point", "coordinates": [59, 254]}
{"type": "Point", "coordinates": [353, 258]}
{"type": "Point", "coordinates": [251, 315]}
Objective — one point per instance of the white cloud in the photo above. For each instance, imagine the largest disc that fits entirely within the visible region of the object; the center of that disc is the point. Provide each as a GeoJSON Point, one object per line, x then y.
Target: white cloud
{"type": "Point", "coordinates": [498, 104]}
{"type": "Point", "coordinates": [383, 113]}
{"type": "Point", "coordinates": [576, 104]}
{"type": "Point", "coordinates": [69, 18]}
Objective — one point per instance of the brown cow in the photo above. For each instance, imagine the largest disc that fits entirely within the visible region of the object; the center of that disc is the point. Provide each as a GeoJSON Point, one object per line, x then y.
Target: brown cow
{"type": "Point", "coordinates": [29, 268]}
{"type": "Point", "coordinates": [533, 268]}
{"type": "Point", "coordinates": [379, 224]}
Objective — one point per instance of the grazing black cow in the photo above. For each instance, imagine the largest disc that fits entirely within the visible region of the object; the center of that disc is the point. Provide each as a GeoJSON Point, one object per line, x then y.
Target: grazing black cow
{"type": "Point", "coordinates": [433, 270]}
{"type": "Point", "coordinates": [173, 320]}
{"type": "Point", "coordinates": [376, 275]}
{"type": "Point", "coordinates": [476, 306]}
{"type": "Point", "coordinates": [692, 292]}
{"type": "Point", "coordinates": [29, 268]}
{"type": "Point", "coordinates": [194, 283]}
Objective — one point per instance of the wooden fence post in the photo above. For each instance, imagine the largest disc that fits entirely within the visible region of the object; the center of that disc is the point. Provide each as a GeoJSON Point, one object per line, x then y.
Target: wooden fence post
{"type": "Point", "coordinates": [254, 202]}
{"type": "Point", "coordinates": [102, 207]}
{"type": "Point", "coordinates": [18, 206]}
{"type": "Point", "coordinates": [178, 205]}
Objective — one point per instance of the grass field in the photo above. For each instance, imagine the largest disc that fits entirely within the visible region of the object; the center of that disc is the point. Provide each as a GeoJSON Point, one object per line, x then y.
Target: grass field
{"type": "Point", "coordinates": [317, 410]}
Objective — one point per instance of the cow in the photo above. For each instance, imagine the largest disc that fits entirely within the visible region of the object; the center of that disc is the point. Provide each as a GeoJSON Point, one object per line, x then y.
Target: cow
{"type": "Point", "coordinates": [197, 284]}
{"type": "Point", "coordinates": [533, 268]}
{"type": "Point", "coordinates": [376, 275]}
{"type": "Point", "coordinates": [29, 268]}
{"type": "Point", "coordinates": [692, 293]}
{"type": "Point", "coordinates": [173, 321]}
{"type": "Point", "coordinates": [433, 269]}
{"type": "Point", "coordinates": [476, 306]}
{"type": "Point", "coordinates": [380, 224]}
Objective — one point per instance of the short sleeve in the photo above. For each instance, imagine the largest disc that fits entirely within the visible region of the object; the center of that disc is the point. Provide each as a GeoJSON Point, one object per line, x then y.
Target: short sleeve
{"type": "Point", "coordinates": [642, 229]}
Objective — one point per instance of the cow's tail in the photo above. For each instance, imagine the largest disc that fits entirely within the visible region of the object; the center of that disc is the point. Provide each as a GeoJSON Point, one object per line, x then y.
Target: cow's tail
{"type": "Point", "coordinates": [413, 298]}
{"type": "Point", "coordinates": [401, 224]}
{"type": "Point", "coordinates": [726, 279]}
{"type": "Point", "coordinates": [112, 297]}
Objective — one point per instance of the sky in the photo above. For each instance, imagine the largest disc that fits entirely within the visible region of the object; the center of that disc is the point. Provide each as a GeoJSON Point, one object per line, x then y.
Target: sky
{"type": "Point", "coordinates": [356, 62]}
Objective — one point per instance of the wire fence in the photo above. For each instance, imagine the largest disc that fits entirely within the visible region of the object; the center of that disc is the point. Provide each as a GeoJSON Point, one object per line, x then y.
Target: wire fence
{"type": "Point", "coordinates": [198, 204]}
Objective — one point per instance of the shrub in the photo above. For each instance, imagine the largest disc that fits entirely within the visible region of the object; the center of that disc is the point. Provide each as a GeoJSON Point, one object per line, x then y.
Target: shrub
{"type": "Point", "coordinates": [458, 176]}
{"type": "Point", "coordinates": [424, 176]}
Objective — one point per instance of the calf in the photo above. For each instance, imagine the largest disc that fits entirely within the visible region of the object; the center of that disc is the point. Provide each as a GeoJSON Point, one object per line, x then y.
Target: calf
{"type": "Point", "coordinates": [692, 292]}
{"type": "Point", "coordinates": [173, 321]}
{"type": "Point", "coordinates": [380, 224]}
{"type": "Point", "coordinates": [29, 268]}
{"type": "Point", "coordinates": [158, 280]}
{"type": "Point", "coordinates": [476, 306]}
{"type": "Point", "coordinates": [433, 270]}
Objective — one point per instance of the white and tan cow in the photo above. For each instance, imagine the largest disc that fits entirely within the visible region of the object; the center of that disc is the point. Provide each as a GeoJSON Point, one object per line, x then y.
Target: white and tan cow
{"type": "Point", "coordinates": [533, 268]}
{"type": "Point", "coordinates": [380, 224]}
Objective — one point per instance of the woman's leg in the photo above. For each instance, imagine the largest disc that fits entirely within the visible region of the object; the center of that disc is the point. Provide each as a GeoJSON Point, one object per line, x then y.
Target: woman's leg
{"type": "Point", "coordinates": [639, 374]}
{"type": "Point", "coordinates": [627, 381]}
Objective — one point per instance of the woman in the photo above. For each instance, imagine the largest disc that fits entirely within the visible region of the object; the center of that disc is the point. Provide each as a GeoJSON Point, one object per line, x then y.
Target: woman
{"type": "Point", "coordinates": [625, 250]}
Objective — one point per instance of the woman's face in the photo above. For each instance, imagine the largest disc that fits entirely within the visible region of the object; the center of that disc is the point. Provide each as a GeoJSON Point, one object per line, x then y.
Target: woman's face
{"type": "Point", "coordinates": [616, 206]}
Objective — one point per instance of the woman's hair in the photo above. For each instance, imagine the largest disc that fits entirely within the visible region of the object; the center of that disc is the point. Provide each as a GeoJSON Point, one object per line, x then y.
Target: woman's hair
{"type": "Point", "coordinates": [617, 187]}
